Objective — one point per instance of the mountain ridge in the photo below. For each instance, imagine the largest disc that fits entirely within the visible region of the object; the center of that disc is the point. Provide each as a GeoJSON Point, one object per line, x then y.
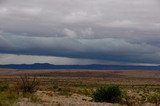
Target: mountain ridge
{"type": "Point", "coordinates": [90, 66]}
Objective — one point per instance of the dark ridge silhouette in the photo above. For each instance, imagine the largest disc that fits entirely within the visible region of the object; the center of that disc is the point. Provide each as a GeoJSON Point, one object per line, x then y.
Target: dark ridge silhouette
{"type": "Point", "coordinates": [91, 67]}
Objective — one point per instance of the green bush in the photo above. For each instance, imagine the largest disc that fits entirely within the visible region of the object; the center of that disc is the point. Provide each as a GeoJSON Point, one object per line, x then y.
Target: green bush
{"type": "Point", "coordinates": [154, 98]}
{"type": "Point", "coordinates": [111, 93]}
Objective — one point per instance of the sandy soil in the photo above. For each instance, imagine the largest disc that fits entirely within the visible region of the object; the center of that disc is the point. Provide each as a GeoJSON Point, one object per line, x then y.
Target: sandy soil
{"type": "Point", "coordinates": [52, 99]}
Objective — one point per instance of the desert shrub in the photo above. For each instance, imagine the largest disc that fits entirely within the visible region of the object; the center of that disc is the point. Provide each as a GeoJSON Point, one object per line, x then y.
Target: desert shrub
{"type": "Point", "coordinates": [111, 93]}
{"type": "Point", "coordinates": [64, 91]}
{"type": "Point", "coordinates": [154, 98]}
{"type": "Point", "coordinates": [35, 98]}
{"type": "Point", "coordinates": [8, 98]}
{"type": "Point", "coordinates": [86, 91]}
{"type": "Point", "coordinates": [54, 84]}
{"type": "Point", "coordinates": [27, 84]}
{"type": "Point", "coordinates": [4, 87]}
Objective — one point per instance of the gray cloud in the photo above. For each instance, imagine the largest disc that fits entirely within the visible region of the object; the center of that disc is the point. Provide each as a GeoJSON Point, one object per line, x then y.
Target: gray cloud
{"type": "Point", "coordinates": [49, 18]}
{"type": "Point", "coordinates": [119, 31]}
{"type": "Point", "coordinates": [113, 49]}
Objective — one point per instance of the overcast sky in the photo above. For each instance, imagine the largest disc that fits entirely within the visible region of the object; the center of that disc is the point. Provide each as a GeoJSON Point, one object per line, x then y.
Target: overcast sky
{"type": "Point", "coordinates": [80, 31]}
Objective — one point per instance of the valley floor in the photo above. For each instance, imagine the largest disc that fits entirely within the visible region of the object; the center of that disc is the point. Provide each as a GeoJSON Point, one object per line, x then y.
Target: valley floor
{"type": "Point", "coordinates": [74, 87]}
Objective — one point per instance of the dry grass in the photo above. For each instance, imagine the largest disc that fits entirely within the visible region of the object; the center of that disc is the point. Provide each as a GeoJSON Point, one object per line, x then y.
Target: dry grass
{"type": "Point", "coordinates": [139, 87]}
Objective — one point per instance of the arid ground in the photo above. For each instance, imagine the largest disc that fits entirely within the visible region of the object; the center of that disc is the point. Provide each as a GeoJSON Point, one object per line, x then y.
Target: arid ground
{"type": "Point", "coordinates": [74, 87]}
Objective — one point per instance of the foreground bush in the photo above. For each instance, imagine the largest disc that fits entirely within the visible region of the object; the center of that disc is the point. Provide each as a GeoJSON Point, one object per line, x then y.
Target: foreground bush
{"type": "Point", "coordinates": [111, 93]}
{"type": "Point", "coordinates": [27, 84]}
{"type": "Point", "coordinates": [154, 98]}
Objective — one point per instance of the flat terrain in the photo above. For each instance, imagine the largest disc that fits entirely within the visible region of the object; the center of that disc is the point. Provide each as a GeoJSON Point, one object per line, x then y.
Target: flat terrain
{"type": "Point", "coordinates": [73, 87]}
{"type": "Point", "coordinates": [130, 77]}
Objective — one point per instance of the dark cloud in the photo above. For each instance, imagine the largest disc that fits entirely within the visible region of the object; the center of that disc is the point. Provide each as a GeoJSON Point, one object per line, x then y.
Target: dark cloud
{"type": "Point", "coordinates": [113, 49]}
{"type": "Point", "coordinates": [119, 31]}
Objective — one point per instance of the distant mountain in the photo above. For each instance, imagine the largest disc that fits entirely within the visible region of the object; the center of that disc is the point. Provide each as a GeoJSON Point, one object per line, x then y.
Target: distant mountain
{"type": "Point", "coordinates": [91, 67]}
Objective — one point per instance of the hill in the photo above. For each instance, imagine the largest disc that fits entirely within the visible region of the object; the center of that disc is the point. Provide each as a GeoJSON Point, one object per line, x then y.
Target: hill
{"type": "Point", "coordinates": [91, 67]}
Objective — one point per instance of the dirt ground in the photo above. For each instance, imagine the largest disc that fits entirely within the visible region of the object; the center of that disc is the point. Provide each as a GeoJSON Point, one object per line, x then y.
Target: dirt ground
{"type": "Point", "coordinates": [58, 100]}
{"type": "Point", "coordinates": [73, 100]}
{"type": "Point", "coordinates": [75, 81]}
{"type": "Point", "coordinates": [127, 77]}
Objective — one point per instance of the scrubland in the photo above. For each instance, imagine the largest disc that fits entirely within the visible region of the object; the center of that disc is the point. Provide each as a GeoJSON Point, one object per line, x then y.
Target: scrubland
{"type": "Point", "coordinates": [77, 87]}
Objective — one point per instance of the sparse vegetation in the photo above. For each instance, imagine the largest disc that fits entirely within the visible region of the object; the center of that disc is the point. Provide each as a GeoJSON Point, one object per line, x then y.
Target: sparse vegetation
{"type": "Point", "coordinates": [61, 87]}
{"type": "Point", "coordinates": [4, 87]}
{"type": "Point", "coordinates": [34, 98]}
{"type": "Point", "coordinates": [154, 98]}
{"type": "Point", "coordinates": [8, 98]}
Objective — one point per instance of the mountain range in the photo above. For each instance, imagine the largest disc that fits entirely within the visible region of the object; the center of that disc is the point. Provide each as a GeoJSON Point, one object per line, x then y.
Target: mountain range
{"type": "Point", "coordinates": [91, 67]}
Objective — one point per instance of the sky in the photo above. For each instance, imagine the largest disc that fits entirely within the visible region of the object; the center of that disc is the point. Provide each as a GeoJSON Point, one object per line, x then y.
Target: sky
{"type": "Point", "coordinates": [80, 32]}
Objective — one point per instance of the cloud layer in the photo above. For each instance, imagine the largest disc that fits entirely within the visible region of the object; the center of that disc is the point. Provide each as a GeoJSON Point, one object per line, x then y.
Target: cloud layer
{"type": "Point", "coordinates": [106, 30]}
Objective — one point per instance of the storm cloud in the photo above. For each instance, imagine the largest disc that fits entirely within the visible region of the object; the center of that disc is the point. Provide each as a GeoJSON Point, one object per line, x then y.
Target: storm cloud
{"type": "Point", "coordinates": [119, 31]}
